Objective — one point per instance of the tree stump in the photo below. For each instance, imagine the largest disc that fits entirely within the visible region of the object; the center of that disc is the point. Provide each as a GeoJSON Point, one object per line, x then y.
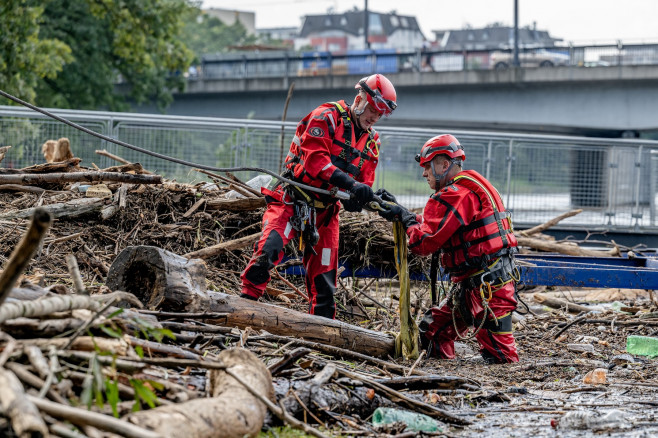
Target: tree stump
{"type": "Point", "coordinates": [160, 279]}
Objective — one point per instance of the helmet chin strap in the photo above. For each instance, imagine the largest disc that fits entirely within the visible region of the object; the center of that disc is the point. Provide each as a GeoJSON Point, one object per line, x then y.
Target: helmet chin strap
{"type": "Point", "coordinates": [437, 177]}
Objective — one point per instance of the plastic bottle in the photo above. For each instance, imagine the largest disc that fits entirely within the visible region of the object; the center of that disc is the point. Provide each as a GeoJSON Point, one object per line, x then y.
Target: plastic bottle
{"type": "Point", "coordinates": [642, 346]}
{"type": "Point", "coordinates": [592, 420]}
{"type": "Point", "coordinates": [415, 422]}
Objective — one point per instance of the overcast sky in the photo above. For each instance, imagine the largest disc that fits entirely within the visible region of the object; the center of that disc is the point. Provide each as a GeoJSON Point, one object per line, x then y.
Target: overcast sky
{"type": "Point", "coordinates": [572, 20]}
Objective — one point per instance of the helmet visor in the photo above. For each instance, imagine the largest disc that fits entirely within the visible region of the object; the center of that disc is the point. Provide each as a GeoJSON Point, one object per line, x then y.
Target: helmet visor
{"type": "Point", "coordinates": [383, 106]}
{"type": "Point", "coordinates": [427, 152]}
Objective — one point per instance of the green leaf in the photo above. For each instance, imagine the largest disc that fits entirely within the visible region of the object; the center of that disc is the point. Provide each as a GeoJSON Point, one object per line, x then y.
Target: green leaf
{"type": "Point", "coordinates": [140, 351]}
{"type": "Point", "coordinates": [111, 332]}
{"type": "Point", "coordinates": [112, 394]}
{"type": "Point", "coordinates": [143, 393]}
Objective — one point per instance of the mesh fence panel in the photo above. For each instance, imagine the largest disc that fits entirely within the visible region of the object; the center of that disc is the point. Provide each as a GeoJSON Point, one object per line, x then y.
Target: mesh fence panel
{"type": "Point", "coordinates": [614, 182]}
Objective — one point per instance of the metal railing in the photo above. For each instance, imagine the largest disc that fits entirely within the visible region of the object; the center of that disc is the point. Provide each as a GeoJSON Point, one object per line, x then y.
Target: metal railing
{"type": "Point", "coordinates": [363, 62]}
{"type": "Point", "coordinates": [614, 181]}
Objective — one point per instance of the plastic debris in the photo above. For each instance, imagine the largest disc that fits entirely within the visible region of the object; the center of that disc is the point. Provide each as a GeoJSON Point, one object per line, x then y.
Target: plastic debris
{"type": "Point", "coordinates": [415, 422]}
{"type": "Point", "coordinates": [642, 345]}
{"type": "Point", "coordinates": [591, 420]}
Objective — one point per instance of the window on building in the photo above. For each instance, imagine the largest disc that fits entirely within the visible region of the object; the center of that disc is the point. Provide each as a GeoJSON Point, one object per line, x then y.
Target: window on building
{"type": "Point", "coordinates": [375, 24]}
{"type": "Point", "coordinates": [394, 21]}
{"type": "Point", "coordinates": [404, 21]}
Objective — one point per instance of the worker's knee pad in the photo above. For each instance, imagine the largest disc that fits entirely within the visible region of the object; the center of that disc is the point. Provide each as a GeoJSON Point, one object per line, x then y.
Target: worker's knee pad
{"type": "Point", "coordinates": [504, 324]}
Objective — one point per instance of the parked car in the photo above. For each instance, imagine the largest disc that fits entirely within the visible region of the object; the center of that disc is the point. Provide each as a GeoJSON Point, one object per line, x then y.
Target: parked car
{"type": "Point", "coordinates": [533, 58]}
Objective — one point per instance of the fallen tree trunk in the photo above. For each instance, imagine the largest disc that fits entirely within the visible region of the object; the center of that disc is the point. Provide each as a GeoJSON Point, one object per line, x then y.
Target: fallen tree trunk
{"type": "Point", "coordinates": [35, 179]}
{"type": "Point", "coordinates": [161, 279]}
{"type": "Point", "coordinates": [231, 411]}
{"type": "Point", "coordinates": [243, 313]}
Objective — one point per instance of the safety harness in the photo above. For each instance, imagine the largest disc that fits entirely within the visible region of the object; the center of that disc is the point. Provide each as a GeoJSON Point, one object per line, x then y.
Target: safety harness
{"type": "Point", "coordinates": [304, 219]}
{"type": "Point", "coordinates": [494, 270]}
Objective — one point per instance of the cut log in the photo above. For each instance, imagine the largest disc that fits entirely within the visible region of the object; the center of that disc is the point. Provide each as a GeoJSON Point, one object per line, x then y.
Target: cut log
{"type": "Point", "coordinates": [89, 177]}
{"type": "Point", "coordinates": [231, 412]}
{"type": "Point", "coordinates": [159, 278]}
{"type": "Point", "coordinates": [242, 204]}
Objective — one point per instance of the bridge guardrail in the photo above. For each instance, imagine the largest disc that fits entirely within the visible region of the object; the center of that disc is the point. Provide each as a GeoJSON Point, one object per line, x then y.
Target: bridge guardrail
{"type": "Point", "coordinates": [364, 62]}
{"type": "Point", "coordinates": [614, 181]}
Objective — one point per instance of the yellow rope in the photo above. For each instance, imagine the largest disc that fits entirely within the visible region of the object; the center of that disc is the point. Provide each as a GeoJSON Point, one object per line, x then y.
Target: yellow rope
{"type": "Point", "coordinates": [406, 342]}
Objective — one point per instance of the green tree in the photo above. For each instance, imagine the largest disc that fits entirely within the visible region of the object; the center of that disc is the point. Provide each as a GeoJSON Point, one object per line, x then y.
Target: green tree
{"type": "Point", "coordinates": [205, 34]}
{"type": "Point", "coordinates": [135, 42]}
{"type": "Point", "coordinates": [25, 57]}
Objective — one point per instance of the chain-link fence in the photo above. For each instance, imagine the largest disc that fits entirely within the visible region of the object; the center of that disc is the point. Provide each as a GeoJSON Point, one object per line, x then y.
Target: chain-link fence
{"type": "Point", "coordinates": [613, 181]}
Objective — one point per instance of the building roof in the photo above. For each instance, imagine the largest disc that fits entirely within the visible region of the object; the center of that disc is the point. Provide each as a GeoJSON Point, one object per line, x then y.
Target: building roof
{"type": "Point", "coordinates": [352, 22]}
{"type": "Point", "coordinates": [493, 37]}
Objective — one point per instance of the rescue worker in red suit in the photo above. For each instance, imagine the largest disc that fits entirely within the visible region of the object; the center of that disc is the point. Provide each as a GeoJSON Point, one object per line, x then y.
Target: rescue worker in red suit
{"type": "Point", "coordinates": [334, 148]}
{"type": "Point", "coordinates": [466, 222]}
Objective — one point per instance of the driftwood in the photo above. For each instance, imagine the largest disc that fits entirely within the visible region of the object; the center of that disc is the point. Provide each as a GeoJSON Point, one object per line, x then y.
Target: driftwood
{"type": "Point", "coordinates": [70, 165]}
{"type": "Point", "coordinates": [24, 416]}
{"type": "Point", "coordinates": [241, 204]}
{"type": "Point", "coordinates": [565, 248]}
{"type": "Point", "coordinates": [73, 208]}
{"type": "Point", "coordinates": [22, 254]}
{"type": "Point", "coordinates": [557, 303]}
{"type": "Point", "coordinates": [212, 251]}
{"type": "Point", "coordinates": [89, 177]}
{"type": "Point", "coordinates": [159, 278]}
{"type": "Point", "coordinates": [230, 412]}
{"type": "Point", "coordinates": [105, 153]}
{"type": "Point", "coordinates": [243, 313]}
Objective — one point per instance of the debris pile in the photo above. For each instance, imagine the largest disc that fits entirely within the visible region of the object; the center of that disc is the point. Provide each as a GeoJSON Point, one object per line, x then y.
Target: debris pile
{"type": "Point", "coordinates": [99, 338]}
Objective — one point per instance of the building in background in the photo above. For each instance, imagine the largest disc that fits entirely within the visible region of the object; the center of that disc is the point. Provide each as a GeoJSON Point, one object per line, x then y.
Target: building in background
{"type": "Point", "coordinates": [230, 16]}
{"type": "Point", "coordinates": [493, 37]}
{"type": "Point", "coordinates": [340, 32]}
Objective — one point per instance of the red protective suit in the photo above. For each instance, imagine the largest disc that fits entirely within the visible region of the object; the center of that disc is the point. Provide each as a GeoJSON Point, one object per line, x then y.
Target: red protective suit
{"type": "Point", "coordinates": [321, 145]}
{"type": "Point", "coordinates": [466, 221]}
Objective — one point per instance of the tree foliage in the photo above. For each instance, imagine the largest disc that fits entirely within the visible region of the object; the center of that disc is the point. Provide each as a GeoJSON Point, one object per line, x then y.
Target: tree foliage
{"type": "Point", "coordinates": [87, 46]}
{"type": "Point", "coordinates": [205, 34]}
{"type": "Point", "coordinates": [25, 56]}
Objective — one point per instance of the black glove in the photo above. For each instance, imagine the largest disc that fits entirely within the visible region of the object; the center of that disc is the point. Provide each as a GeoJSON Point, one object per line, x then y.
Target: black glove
{"type": "Point", "coordinates": [351, 205]}
{"type": "Point", "coordinates": [394, 213]}
{"type": "Point", "coordinates": [362, 193]}
{"type": "Point", "coordinates": [386, 195]}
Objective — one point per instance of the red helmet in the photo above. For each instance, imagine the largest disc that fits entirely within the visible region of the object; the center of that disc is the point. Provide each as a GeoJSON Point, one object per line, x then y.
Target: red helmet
{"type": "Point", "coordinates": [380, 93]}
{"type": "Point", "coordinates": [445, 144]}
